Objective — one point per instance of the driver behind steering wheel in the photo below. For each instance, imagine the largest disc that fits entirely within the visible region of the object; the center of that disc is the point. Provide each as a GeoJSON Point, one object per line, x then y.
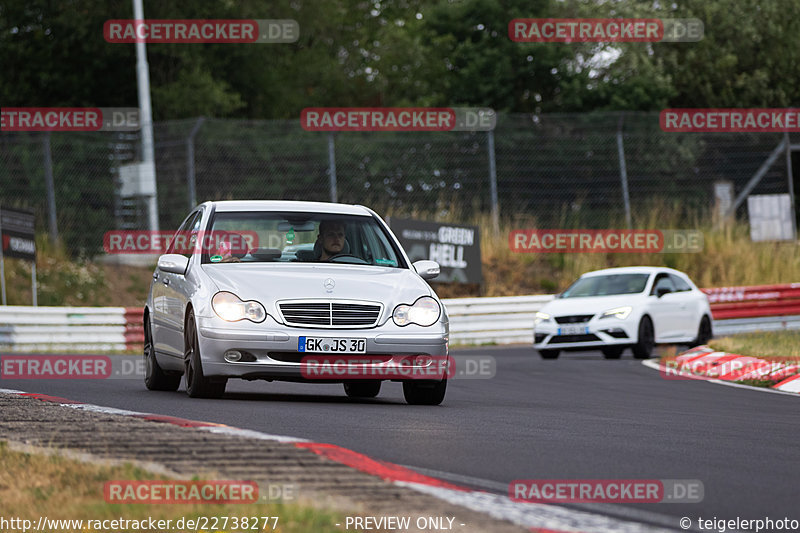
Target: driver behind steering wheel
{"type": "Point", "coordinates": [331, 240]}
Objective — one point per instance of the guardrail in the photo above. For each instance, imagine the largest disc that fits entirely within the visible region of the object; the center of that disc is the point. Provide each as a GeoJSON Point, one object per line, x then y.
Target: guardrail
{"type": "Point", "coordinates": [754, 301]}
{"type": "Point", "coordinates": [496, 320]}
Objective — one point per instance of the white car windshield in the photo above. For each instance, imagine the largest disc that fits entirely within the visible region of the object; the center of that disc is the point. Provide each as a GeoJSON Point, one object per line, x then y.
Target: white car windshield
{"type": "Point", "coordinates": [299, 237]}
{"type": "Point", "coordinates": [606, 285]}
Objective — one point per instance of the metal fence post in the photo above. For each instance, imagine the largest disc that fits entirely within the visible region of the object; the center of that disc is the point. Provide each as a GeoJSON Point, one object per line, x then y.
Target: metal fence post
{"type": "Point", "coordinates": [623, 172]}
{"type": "Point", "coordinates": [790, 178]}
{"type": "Point", "coordinates": [493, 182]}
{"type": "Point", "coordinates": [332, 166]}
{"type": "Point", "coordinates": [190, 179]}
{"type": "Point", "coordinates": [49, 185]}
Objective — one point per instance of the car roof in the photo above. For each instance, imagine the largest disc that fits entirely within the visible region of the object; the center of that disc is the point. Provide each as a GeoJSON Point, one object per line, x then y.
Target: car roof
{"type": "Point", "coordinates": [287, 205]}
{"type": "Point", "coordinates": [632, 270]}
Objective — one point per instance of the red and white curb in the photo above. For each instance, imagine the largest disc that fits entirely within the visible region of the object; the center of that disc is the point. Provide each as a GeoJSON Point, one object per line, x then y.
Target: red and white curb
{"type": "Point", "coordinates": [705, 363]}
{"type": "Point", "coordinates": [539, 518]}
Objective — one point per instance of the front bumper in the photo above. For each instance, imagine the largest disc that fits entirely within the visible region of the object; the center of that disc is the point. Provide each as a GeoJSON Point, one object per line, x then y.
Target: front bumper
{"type": "Point", "coordinates": [274, 348]}
{"type": "Point", "coordinates": [598, 333]}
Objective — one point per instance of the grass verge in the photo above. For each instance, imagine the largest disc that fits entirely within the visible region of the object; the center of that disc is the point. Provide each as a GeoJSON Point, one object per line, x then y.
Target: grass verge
{"type": "Point", "coordinates": [52, 486]}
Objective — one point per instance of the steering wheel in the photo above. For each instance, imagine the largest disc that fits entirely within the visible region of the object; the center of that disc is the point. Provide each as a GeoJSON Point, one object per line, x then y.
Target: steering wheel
{"type": "Point", "coordinates": [331, 258]}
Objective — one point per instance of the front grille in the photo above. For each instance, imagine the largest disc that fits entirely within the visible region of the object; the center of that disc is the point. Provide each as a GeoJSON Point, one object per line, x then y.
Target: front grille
{"type": "Point", "coordinates": [573, 319]}
{"type": "Point", "coordinates": [330, 314]}
{"type": "Point", "coordinates": [563, 339]}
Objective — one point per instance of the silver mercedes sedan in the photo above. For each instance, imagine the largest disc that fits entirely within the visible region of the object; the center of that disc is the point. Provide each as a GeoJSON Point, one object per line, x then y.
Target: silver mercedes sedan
{"type": "Point", "coordinates": [294, 291]}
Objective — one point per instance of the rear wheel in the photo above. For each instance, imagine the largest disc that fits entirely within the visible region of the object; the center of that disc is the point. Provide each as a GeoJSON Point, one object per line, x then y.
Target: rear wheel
{"type": "Point", "coordinates": [197, 384]}
{"type": "Point", "coordinates": [549, 354]}
{"type": "Point", "coordinates": [646, 341]}
{"type": "Point", "coordinates": [613, 352]}
{"type": "Point", "coordinates": [362, 389]}
{"type": "Point", "coordinates": [704, 332]}
{"type": "Point", "coordinates": [419, 392]}
{"type": "Point", "coordinates": [154, 376]}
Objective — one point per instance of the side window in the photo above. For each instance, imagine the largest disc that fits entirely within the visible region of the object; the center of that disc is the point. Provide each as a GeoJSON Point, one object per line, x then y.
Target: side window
{"type": "Point", "coordinates": [680, 285]}
{"type": "Point", "coordinates": [181, 240]}
{"type": "Point", "coordinates": [662, 280]}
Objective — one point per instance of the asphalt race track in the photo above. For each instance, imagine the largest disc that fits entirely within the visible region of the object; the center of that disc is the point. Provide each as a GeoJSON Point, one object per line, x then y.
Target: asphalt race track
{"type": "Point", "coordinates": [578, 417]}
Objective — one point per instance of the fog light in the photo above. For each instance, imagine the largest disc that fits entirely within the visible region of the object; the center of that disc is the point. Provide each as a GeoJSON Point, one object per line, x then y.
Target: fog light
{"type": "Point", "coordinates": [232, 356]}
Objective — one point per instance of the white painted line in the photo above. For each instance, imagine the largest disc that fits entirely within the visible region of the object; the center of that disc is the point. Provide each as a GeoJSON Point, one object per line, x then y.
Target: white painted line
{"type": "Point", "coordinates": [249, 433]}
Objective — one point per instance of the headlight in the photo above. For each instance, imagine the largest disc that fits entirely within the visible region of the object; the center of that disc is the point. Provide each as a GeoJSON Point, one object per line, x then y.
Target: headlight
{"type": "Point", "coordinates": [424, 312]}
{"type": "Point", "coordinates": [618, 312]}
{"type": "Point", "coordinates": [231, 308]}
{"type": "Point", "coordinates": [541, 317]}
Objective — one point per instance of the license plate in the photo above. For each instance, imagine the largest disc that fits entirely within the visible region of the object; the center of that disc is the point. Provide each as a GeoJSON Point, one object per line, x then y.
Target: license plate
{"type": "Point", "coordinates": [331, 345]}
{"type": "Point", "coordinates": [573, 330]}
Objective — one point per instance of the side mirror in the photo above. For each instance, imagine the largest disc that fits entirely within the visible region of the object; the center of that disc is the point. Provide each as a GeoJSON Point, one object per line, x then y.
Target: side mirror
{"type": "Point", "coordinates": [661, 291]}
{"type": "Point", "coordinates": [174, 263]}
{"type": "Point", "coordinates": [427, 269]}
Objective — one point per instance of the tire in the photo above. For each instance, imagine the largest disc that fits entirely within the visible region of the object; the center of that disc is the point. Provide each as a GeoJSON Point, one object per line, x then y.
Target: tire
{"type": "Point", "coordinates": [613, 352]}
{"type": "Point", "coordinates": [646, 339]}
{"type": "Point", "coordinates": [362, 389]}
{"type": "Point", "coordinates": [154, 377]}
{"type": "Point", "coordinates": [549, 354]}
{"type": "Point", "coordinates": [419, 392]}
{"type": "Point", "coordinates": [197, 385]}
{"type": "Point", "coordinates": [704, 332]}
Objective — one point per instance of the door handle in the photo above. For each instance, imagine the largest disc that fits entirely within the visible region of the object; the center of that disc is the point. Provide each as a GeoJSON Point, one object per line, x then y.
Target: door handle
{"type": "Point", "coordinates": [165, 281]}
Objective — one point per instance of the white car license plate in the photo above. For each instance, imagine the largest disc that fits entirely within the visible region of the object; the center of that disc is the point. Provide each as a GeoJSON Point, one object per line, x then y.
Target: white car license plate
{"type": "Point", "coordinates": [331, 345]}
{"type": "Point", "coordinates": [573, 330]}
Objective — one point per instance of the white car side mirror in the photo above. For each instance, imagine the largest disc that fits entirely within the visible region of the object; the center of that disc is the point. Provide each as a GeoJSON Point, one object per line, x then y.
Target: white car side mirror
{"type": "Point", "coordinates": [174, 263]}
{"type": "Point", "coordinates": [427, 269]}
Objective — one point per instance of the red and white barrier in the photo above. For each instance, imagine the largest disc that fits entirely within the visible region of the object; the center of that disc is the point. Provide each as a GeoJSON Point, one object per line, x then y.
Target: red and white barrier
{"type": "Point", "coordinates": [79, 329]}
{"type": "Point", "coordinates": [754, 301]}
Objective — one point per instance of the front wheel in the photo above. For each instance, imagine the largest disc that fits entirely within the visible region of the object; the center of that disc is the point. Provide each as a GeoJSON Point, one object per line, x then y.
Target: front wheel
{"type": "Point", "coordinates": [419, 392]}
{"type": "Point", "coordinates": [154, 377]}
{"type": "Point", "coordinates": [646, 341]}
{"type": "Point", "coordinates": [197, 384]}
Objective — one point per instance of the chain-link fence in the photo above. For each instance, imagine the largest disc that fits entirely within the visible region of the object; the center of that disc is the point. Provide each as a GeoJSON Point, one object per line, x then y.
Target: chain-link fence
{"type": "Point", "coordinates": [560, 169]}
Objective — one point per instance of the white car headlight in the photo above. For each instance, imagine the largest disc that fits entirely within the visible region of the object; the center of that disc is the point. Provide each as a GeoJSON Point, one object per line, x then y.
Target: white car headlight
{"type": "Point", "coordinates": [541, 317]}
{"type": "Point", "coordinates": [231, 308]}
{"type": "Point", "coordinates": [618, 312]}
{"type": "Point", "coordinates": [424, 312]}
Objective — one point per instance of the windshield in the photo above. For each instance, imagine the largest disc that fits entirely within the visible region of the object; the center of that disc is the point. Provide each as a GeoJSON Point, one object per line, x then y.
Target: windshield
{"type": "Point", "coordinates": [606, 285]}
{"type": "Point", "coordinates": [289, 237]}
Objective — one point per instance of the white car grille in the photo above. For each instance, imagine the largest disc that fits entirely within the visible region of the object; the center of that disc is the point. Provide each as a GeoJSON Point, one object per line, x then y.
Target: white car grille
{"type": "Point", "coordinates": [330, 313]}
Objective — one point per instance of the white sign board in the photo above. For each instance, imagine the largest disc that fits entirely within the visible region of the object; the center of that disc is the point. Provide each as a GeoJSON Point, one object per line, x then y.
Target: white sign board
{"type": "Point", "coordinates": [771, 217]}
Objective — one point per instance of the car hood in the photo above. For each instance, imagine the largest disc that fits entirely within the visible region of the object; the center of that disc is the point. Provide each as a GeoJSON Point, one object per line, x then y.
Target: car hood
{"type": "Point", "coordinates": [268, 283]}
{"type": "Point", "coordinates": [590, 305]}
